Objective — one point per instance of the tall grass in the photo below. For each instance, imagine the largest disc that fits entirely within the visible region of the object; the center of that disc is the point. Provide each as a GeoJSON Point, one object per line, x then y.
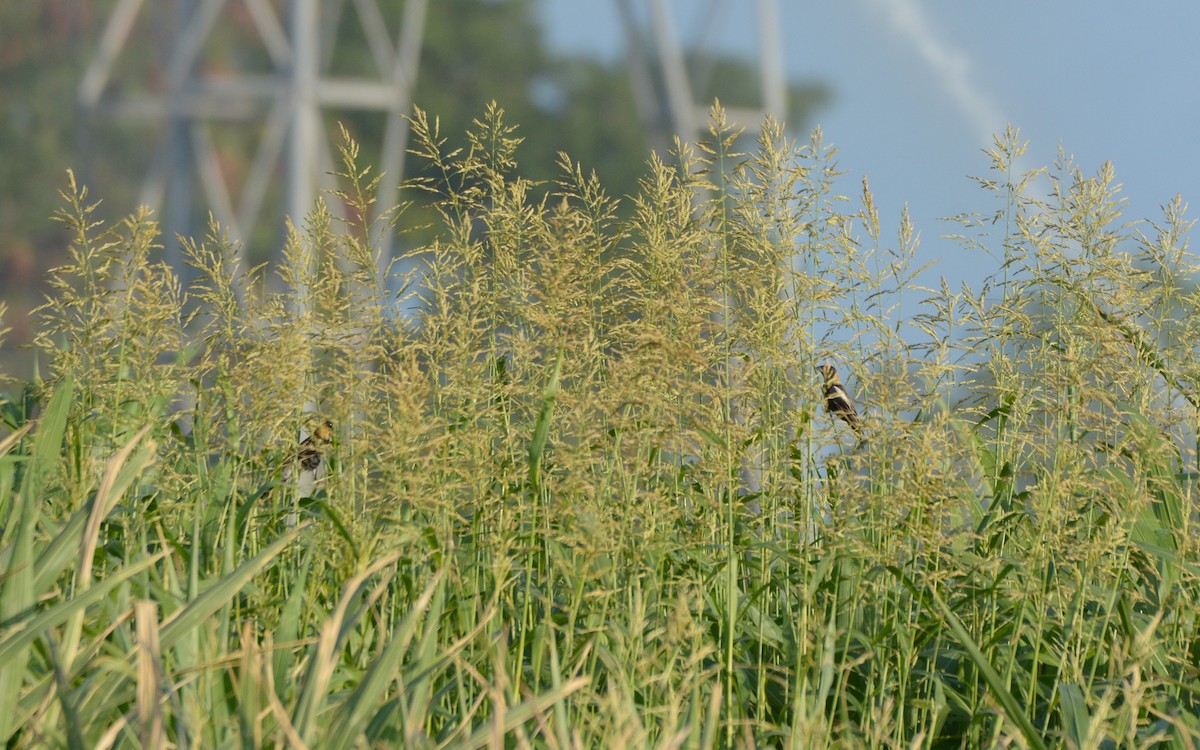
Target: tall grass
{"type": "Point", "coordinates": [586, 496]}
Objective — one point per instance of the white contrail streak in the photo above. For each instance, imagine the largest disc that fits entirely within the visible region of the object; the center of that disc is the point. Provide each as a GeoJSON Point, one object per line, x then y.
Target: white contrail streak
{"type": "Point", "coordinates": [951, 66]}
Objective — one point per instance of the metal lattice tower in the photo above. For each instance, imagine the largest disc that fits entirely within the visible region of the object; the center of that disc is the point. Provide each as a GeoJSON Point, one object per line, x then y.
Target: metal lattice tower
{"type": "Point", "coordinates": [665, 84]}
{"type": "Point", "coordinates": [288, 100]}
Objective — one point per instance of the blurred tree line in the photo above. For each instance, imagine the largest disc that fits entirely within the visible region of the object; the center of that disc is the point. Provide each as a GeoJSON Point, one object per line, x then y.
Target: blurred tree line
{"type": "Point", "coordinates": [474, 51]}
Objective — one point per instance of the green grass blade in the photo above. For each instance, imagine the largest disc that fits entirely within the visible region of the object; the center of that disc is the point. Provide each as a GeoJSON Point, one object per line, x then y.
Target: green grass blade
{"type": "Point", "coordinates": [48, 440]}
{"type": "Point", "coordinates": [17, 592]}
{"type": "Point", "coordinates": [220, 592]}
{"type": "Point", "coordinates": [541, 428]}
{"type": "Point", "coordinates": [62, 688]}
{"type": "Point", "coordinates": [995, 682]}
{"type": "Point", "coordinates": [12, 643]}
{"type": "Point", "coordinates": [290, 622]}
{"type": "Point", "coordinates": [1075, 714]}
{"type": "Point", "coordinates": [524, 711]}
{"type": "Point", "coordinates": [352, 715]}
{"type": "Point", "coordinates": [323, 656]}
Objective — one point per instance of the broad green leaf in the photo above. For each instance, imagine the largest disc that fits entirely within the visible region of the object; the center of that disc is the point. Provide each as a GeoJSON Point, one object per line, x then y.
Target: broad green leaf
{"type": "Point", "coordinates": [1074, 713]}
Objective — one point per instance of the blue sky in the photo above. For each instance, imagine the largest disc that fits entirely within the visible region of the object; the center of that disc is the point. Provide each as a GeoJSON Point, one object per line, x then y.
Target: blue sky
{"type": "Point", "coordinates": [919, 86]}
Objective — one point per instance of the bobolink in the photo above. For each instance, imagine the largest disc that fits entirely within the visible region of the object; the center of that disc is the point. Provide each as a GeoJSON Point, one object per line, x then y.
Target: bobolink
{"type": "Point", "coordinates": [308, 463]}
{"type": "Point", "coordinates": [837, 400]}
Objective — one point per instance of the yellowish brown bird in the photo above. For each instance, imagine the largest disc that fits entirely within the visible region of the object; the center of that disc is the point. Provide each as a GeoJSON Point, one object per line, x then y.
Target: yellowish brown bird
{"type": "Point", "coordinates": [308, 463]}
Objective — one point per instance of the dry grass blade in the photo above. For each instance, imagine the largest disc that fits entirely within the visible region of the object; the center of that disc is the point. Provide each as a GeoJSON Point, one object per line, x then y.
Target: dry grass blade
{"type": "Point", "coordinates": [105, 498]}
{"type": "Point", "coordinates": [149, 684]}
{"type": "Point", "coordinates": [323, 661]}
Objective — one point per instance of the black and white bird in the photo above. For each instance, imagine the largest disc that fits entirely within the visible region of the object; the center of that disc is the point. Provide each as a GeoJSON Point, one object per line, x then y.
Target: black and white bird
{"type": "Point", "coordinates": [837, 399]}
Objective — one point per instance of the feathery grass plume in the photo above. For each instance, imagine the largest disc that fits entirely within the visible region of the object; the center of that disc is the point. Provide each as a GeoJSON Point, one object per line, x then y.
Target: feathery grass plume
{"type": "Point", "coordinates": [579, 497]}
{"type": "Point", "coordinates": [660, 379]}
{"type": "Point", "coordinates": [5, 378]}
{"type": "Point", "coordinates": [113, 324]}
{"type": "Point", "coordinates": [768, 222]}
